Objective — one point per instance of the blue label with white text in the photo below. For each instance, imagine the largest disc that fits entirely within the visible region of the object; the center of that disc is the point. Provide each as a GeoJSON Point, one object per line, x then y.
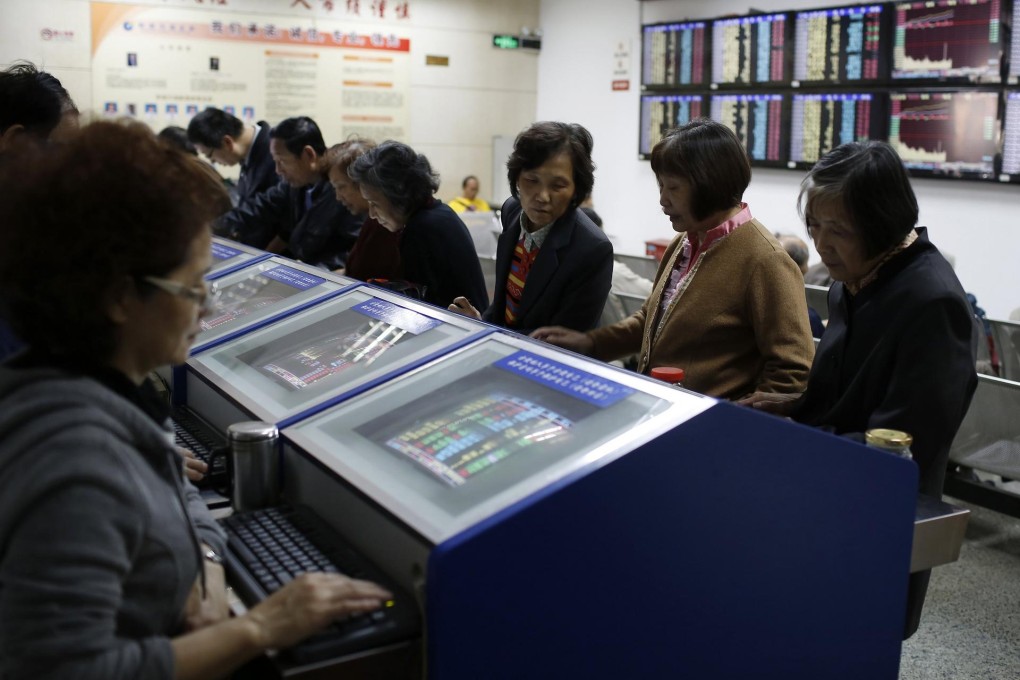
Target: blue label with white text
{"type": "Point", "coordinates": [572, 381]}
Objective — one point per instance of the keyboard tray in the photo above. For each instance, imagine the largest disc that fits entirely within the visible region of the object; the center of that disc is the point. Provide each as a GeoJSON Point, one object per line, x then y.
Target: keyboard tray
{"type": "Point", "coordinates": [268, 548]}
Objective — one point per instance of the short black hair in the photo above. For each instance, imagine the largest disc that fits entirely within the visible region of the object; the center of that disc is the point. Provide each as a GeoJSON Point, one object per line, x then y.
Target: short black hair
{"type": "Point", "coordinates": [297, 133]}
{"type": "Point", "coordinates": [546, 139]}
{"type": "Point", "coordinates": [31, 98]}
{"type": "Point", "coordinates": [210, 126]}
{"type": "Point", "coordinates": [708, 155]}
{"type": "Point", "coordinates": [404, 176]}
{"type": "Point", "coordinates": [175, 136]}
{"type": "Point", "coordinates": [467, 179]}
{"type": "Point", "coordinates": [869, 182]}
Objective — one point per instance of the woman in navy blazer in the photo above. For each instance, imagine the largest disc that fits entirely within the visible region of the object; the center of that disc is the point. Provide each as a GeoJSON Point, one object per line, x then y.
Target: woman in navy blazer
{"type": "Point", "coordinates": [568, 279]}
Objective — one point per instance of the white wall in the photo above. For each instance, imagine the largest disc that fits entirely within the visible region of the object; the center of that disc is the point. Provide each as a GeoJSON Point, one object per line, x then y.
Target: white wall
{"type": "Point", "coordinates": [456, 110]}
{"type": "Point", "coordinates": [975, 222]}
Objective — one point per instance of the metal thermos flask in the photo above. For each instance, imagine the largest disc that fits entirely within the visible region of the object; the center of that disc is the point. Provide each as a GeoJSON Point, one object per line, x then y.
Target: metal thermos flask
{"type": "Point", "coordinates": [256, 465]}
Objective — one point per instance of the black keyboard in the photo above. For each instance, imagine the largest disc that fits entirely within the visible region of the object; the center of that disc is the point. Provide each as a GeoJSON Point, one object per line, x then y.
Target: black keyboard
{"type": "Point", "coordinates": [194, 434]}
{"type": "Point", "coordinates": [269, 548]}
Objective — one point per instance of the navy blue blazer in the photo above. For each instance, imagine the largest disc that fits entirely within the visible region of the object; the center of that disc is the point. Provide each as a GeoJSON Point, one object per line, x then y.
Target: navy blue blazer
{"type": "Point", "coordinates": [569, 281]}
{"type": "Point", "coordinates": [900, 354]}
{"type": "Point", "coordinates": [437, 252]}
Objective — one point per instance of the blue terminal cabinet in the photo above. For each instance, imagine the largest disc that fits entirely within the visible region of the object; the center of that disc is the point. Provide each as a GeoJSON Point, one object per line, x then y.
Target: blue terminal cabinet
{"type": "Point", "coordinates": [559, 518]}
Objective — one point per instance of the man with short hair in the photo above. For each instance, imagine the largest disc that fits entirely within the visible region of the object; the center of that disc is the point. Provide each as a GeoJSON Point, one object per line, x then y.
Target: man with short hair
{"type": "Point", "coordinates": [300, 216]}
{"type": "Point", "coordinates": [224, 139]}
{"type": "Point", "coordinates": [33, 104]}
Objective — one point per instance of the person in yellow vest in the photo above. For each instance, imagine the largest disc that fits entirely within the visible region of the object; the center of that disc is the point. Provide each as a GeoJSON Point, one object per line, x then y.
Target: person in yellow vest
{"type": "Point", "coordinates": [469, 201]}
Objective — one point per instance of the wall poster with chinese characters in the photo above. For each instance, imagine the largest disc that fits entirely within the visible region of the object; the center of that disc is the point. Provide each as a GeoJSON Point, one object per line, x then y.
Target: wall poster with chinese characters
{"type": "Point", "coordinates": [162, 65]}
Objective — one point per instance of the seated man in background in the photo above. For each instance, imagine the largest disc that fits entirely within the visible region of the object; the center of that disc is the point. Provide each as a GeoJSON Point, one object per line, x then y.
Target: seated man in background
{"type": "Point", "coordinates": [299, 217]}
{"type": "Point", "coordinates": [468, 201]}
{"type": "Point", "coordinates": [224, 139]}
{"type": "Point", "coordinates": [798, 252]}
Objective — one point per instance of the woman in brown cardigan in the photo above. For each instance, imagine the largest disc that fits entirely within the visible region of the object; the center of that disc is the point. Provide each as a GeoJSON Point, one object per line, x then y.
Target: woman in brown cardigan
{"type": "Point", "coordinates": [728, 304]}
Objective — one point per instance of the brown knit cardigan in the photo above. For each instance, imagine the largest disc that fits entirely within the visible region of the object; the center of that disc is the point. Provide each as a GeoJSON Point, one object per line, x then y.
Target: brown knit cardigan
{"type": "Point", "coordinates": [740, 325]}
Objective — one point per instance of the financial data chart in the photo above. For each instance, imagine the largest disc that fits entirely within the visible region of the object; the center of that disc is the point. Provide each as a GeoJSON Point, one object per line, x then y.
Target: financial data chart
{"type": "Point", "coordinates": [675, 55]}
{"type": "Point", "coordinates": [838, 45]}
{"type": "Point", "coordinates": [1011, 135]}
{"type": "Point", "coordinates": [948, 39]}
{"type": "Point", "coordinates": [659, 113]}
{"type": "Point", "coordinates": [758, 121]}
{"type": "Point", "coordinates": [945, 133]}
{"type": "Point", "coordinates": [749, 50]}
{"type": "Point", "coordinates": [821, 122]}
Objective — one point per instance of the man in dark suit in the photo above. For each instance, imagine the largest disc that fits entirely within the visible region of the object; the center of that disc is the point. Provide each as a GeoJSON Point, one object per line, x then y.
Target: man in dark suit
{"type": "Point", "coordinates": [224, 139]}
{"type": "Point", "coordinates": [300, 216]}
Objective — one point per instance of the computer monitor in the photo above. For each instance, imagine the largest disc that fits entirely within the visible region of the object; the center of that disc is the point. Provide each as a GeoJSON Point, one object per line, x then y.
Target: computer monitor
{"type": "Point", "coordinates": [265, 289]}
{"type": "Point", "coordinates": [1010, 171]}
{"type": "Point", "coordinates": [948, 40]}
{"type": "Point", "coordinates": [819, 122]}
{"type": "Point", "coordinates": [1014, 50]}
{"type": "Point", "coordinates": [660, 113]}
{"type": "Point", "coordinates": [675, 55]}
{"type": "Point", "coordinates": [321, 354]}
{"type": "Point", "coordinates": [751, 50]}
{"type": "Point", "coordinates": [228, 255]}
{"type": "Point", "coordinates": [946, 133]}
{"type": "Point", "coordinates": [841, 45]}
{"type": "Point", "coordinates": [485, 426]}
{"type": "Point", "coordinates": [761, 121]}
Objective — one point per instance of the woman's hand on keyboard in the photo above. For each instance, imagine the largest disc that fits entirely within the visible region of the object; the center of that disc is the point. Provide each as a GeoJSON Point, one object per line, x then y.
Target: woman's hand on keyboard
{"type": "Point", "coordinates": [194, 469]}
{"type": "Point", "coordinates": [310, 602]}
{"type": "Point", "coordinates": [209, 605]}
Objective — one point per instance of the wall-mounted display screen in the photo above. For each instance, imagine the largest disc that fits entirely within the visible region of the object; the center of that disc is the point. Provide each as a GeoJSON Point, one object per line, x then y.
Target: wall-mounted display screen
{"type": "Point", "coordinates": [821, 122]}
{"type": "Point", "coordinates": [946, 133]}
{"type": "Point", "coordinates": [948, 40]}
{"type": "Point", "coordinates": [1011, 136]}
{"type": "Point", "coordinates": [660, 113]}
{"type": "Point", "coordinates": [760, 121]}
{"type": "Point", "coordinates": [750, 50]}
{"type": "Point", "coordinates": [840, 44]}
{"type": "Point", "coordinates": [675, 55]}
{"type": "Point", "coordinates": [483, 427]}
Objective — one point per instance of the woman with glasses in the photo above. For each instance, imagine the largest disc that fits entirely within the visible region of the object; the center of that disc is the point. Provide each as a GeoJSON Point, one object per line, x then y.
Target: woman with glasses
{"type": "Point", "coordinates": [109, 566]}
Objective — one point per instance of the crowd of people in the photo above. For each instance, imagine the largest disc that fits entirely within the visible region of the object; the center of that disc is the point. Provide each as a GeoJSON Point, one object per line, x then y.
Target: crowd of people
{"type": "Point", "coordinates": [109, 566]}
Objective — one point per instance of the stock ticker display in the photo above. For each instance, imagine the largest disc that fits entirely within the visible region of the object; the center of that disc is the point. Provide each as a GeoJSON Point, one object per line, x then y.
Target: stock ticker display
{"type": "Point", "coordinates": [938, 79]}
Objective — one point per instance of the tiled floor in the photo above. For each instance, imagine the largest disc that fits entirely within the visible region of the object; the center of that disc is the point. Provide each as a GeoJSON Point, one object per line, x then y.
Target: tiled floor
{"type": "Point", "coordinates": [970, 629]}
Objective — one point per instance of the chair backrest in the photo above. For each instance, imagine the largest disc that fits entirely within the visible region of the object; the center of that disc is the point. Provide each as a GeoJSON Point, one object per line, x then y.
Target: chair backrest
{"type": "Point", "coordinates": [818, 299]}
{"type": "Point", "coordinates": [989, 437]}
{"type": "Point", "coordinates": [631, 303]}
{"type": "Point", "coordinates": [641, 265]}
{"type": "Point", "coordinates": [489, 274]}
{"type": "Point", "coordinates": [1006, 335]}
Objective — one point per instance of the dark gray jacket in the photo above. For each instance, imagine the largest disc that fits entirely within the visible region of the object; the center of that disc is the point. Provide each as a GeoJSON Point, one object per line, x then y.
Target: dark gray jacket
{"type": "Point", "coordinates": [99, 532]}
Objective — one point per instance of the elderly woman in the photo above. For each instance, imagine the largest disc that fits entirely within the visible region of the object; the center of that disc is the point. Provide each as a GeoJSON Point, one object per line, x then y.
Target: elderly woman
{"type": "Point", "coordinates": [553, 265]}
{"type": "Point", "coordinates": [728, 304]}
{"type": "Point", "coordinates": [110, 561]}
{"type": "Point", "coordinates": [909, 362]}
{"type": "Point", "coordinates": [376, 253]}
{"type": "Point", "coordinates": [436, 250]}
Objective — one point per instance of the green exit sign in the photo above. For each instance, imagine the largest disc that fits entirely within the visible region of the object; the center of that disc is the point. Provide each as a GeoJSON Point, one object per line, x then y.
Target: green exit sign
{"type": "Point", "coordinates": [506, 42]}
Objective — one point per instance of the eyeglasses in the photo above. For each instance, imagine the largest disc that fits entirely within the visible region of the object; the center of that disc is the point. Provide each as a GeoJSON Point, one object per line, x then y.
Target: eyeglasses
{"type": "Point", "coordinates": [206, 296]}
